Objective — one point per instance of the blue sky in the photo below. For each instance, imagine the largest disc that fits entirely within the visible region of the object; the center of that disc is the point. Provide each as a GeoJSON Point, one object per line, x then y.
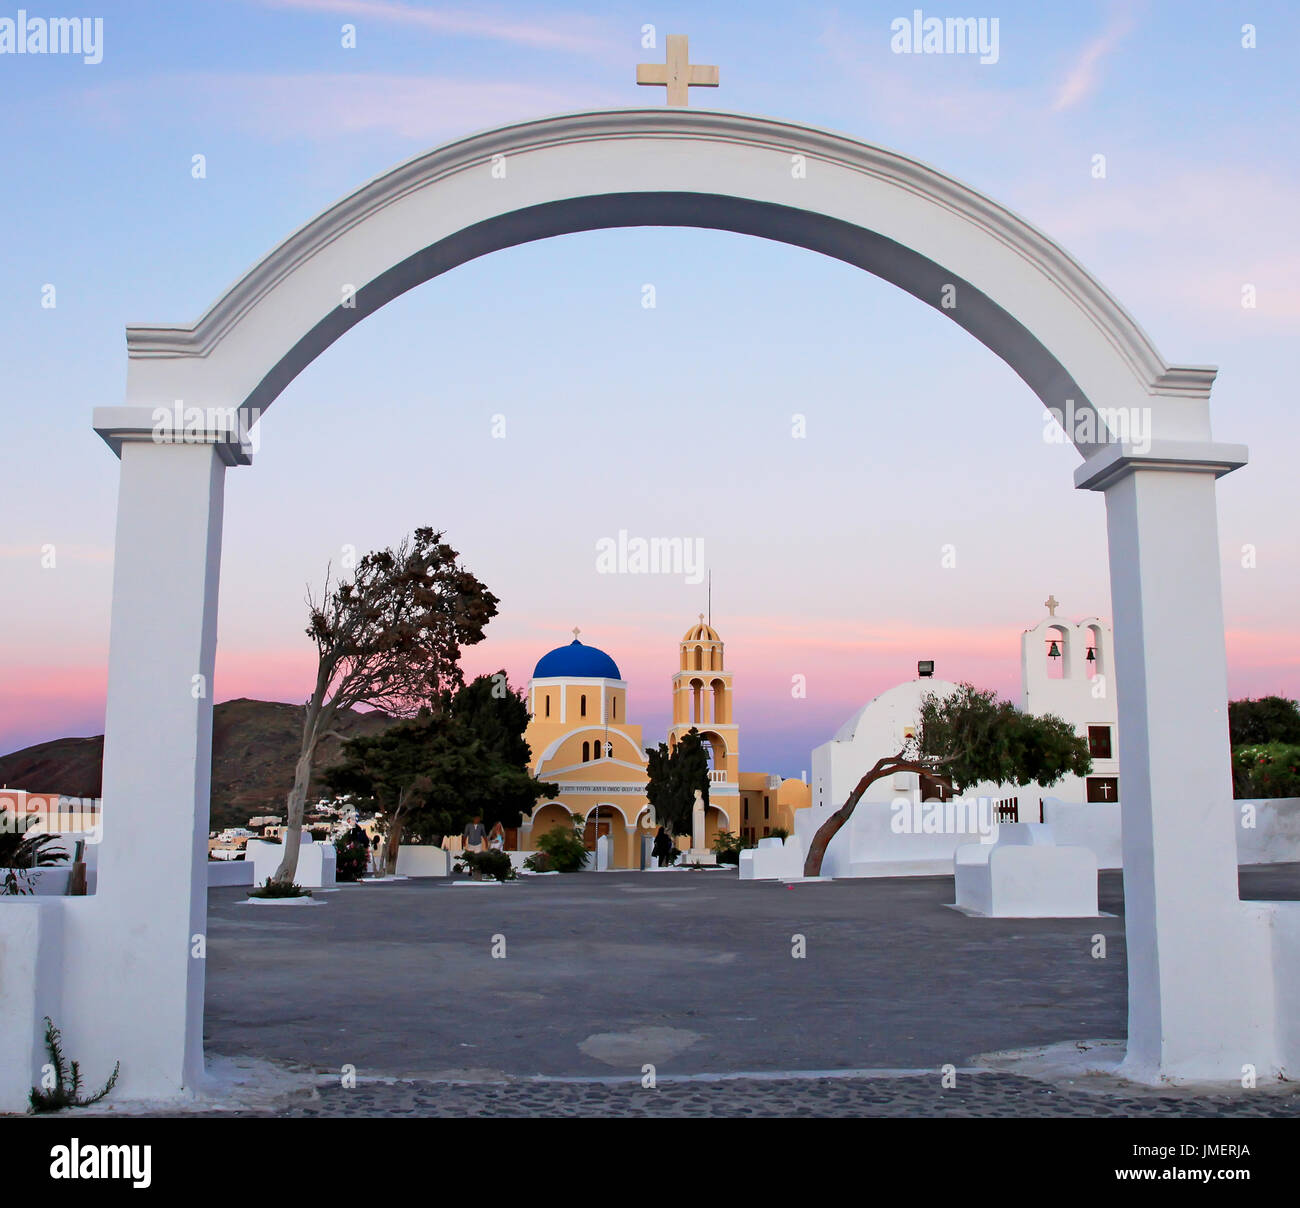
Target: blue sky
{"type": "Point", "coordinates": [824, 551]}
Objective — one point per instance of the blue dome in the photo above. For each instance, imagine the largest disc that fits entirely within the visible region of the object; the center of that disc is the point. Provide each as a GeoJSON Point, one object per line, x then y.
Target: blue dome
{"type": "Point", "coordinates": [576, 661]}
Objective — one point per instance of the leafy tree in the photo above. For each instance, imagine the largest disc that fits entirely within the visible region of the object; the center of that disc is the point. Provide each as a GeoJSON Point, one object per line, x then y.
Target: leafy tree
{"type": "Point", "coordinates": [431, 774]}
{"type": "Point", "coordinates": [674, 775]}
{"type": "Point", "coordinates": [391, 638]}
{"type": "Point", "coordinates": [972, 737]}
{"type": "Point", "coordinates": [965, 739]}
{"type": "Point", "coordinates": [488, 711]}
{"type": "Point", "coordinates": [1265, 720]}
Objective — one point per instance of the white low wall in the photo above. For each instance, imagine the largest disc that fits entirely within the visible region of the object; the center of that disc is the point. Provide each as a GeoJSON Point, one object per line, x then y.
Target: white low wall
{"type": "Point", "coordinates": [1274, 837]}
{"type": "Point", "coordinates": [229, 872]}
{"type": "Point", "coordinates": [772, 859]}
{"type": "Point", "coordinates": [1094, 825]}
{"type": "Point", "coordinates": [422, 860]}
{"type": "Point", "coordinates": [869, 846]}
{"type": "Point", "coordinates": [1268, 832]}
{"type": "Point", "coordinates": [315, 862]}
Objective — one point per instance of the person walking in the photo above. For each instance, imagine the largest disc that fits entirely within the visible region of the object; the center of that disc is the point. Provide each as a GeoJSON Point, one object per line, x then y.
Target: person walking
{"type": "Point", "coordinates": [497, 837]}
{"type": "Point", "coordinates": [475, 835]}
{"type": "Point", "coordinates": [663, 846]}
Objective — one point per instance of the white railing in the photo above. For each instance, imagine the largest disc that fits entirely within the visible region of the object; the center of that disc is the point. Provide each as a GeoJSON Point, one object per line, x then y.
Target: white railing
{"type": "Point", "coordinates": [717, 777]}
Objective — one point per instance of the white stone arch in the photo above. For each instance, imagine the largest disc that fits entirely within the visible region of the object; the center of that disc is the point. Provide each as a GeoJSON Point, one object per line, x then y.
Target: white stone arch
{"type": "Point", "coordinates": [1060, 632]}
{"type": "Point", "coordinates": [991, 272]}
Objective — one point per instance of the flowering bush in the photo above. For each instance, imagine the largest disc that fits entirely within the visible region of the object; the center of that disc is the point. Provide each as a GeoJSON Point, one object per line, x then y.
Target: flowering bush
{"type": "Point", "coordinates": [1266, 770]}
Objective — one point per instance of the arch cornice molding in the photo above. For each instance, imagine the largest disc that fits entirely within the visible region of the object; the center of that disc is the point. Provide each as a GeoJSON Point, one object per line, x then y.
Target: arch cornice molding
{"type": "Point", "coordinates": [203, 337]}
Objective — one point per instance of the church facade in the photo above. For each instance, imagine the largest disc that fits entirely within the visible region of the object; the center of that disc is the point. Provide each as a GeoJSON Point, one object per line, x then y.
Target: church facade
{"type": "Point", "coordinates": [582, 740]}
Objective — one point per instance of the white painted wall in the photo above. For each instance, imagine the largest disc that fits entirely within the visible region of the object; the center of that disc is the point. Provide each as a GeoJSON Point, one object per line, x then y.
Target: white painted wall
{"type": "Point", "coordinates": [229, 872]}
{"type": "Point", "coordinates": [31, 959]}
{"type": "Point", "coordinates": [1275, 836]}
{"type": "Point", "coordinates": [422, 860]}
{"type": "Point", "coordinates": [315, 862]}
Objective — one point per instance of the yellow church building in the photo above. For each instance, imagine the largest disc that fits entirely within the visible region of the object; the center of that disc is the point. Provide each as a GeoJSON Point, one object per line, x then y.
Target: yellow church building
{"type": "Point", "coordinates": [582, 739]}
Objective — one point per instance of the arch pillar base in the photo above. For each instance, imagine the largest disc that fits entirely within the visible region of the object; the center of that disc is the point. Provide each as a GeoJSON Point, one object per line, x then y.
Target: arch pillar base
{"type": "Point", "coordinates": [1200, 970]}
{"type": "Point", "coordinates": [133, 976]}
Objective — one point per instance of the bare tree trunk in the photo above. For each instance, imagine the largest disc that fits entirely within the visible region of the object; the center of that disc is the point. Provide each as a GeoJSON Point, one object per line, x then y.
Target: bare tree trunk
{"type": "Point", "coordinates": [288, 869]}
{"type": "Point", "coordinates": [395, 829]}
{"type": "Point", "coordinates": [293, 820]}
{"type": "Point", "coordinates": [812, 865]}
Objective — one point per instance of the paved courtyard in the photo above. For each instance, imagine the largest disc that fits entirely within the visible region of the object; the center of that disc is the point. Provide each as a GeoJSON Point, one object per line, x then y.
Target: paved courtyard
{"type": "Point", "coordinates": [691, 972]}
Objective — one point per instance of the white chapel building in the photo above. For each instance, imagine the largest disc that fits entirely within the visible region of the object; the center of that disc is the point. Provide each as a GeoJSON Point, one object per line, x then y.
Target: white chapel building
{"type": "Point", "coordinates": [1067, 669]}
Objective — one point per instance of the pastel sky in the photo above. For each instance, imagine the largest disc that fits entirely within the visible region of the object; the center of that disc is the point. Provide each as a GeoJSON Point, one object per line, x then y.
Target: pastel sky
{"type": "Point", "coordinates": [825, 551]}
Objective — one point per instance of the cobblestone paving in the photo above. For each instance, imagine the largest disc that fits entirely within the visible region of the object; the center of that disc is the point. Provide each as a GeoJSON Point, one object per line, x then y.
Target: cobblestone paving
{"type": "Point", "coordinates": [975, 1095]}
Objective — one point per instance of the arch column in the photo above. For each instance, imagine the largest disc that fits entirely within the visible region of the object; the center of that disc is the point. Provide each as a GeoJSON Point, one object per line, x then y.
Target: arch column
{"type": "Point", "coordinates": [1199, 968]}
{"type": "Point", "coordinates": [135, 987]}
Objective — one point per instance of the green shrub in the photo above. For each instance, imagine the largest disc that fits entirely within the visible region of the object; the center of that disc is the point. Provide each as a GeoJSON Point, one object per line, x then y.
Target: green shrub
{"type": "Point", "coordinates": [273, 889]}
{"type": "Point", "coordinates": [727, 847]}
{"type": "Point", "coordinates": [779, 832]}
{"type": "Point", "coordinates": [564, 848]}
{"type": "Point", "coordinates": [1266, 770]}
{"type": "Point", "coordinates": [486, 863]}
{"type": "Point", "coordinates": [538, 862]}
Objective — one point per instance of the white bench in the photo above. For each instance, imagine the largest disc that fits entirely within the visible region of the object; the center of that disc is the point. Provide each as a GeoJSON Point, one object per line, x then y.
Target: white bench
{"type": "Point", "coordinates": [1025, 875]}
{"type": "Point", "coordinates": [772, 859]}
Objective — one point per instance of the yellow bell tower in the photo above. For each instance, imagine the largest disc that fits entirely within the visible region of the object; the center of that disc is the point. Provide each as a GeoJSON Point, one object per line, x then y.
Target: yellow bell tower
{"type": "Point", "coordinates": [702, 698]}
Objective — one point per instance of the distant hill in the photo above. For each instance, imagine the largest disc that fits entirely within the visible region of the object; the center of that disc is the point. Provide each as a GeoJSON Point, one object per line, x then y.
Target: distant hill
{"type": "Point", "coordinates": [254, 748]}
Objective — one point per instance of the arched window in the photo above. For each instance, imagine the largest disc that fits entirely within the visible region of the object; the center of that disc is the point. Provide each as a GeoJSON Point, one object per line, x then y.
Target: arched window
{"type": "Point", "coordinates": [586, 752]}
{"type": "Point", "coordinates": [1058, 653]}
{"type": "Point", "coordinates": [1092, 659]}
{"type": "Point", "coordinates": [699, 658]}
{"type": "Point", "coordinates": [582, 706]}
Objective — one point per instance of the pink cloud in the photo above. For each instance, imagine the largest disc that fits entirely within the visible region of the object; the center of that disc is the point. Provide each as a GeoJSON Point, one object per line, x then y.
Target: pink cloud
{"type": "Point", "coordinates": [562, 32]}
{"type": "Point", "coordinates": [280, 108]}
{"type": "Point", "coordinates": [1082, 79]}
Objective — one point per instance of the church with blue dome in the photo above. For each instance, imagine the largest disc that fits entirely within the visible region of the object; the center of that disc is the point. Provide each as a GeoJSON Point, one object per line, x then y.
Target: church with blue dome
{"type": "Point", "coordinates": [576, 661]}
{"type": "Point", "coordinates": [582, 739]}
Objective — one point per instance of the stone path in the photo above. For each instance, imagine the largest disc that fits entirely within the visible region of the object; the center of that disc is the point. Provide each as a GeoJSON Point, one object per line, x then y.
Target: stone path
{"type": "Point", "coordinates": [975, 1094]}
